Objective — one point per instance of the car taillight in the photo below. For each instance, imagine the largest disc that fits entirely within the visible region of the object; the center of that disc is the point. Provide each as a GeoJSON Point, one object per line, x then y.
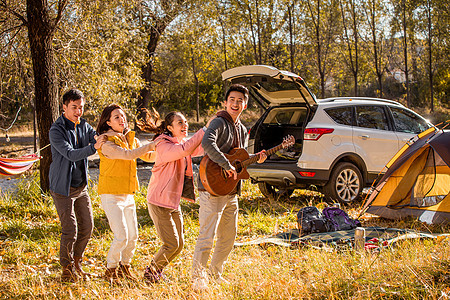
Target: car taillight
{"type": "Point", "coordinates": [307, 174]}
{"type": "Point", "coordinates": [314, 134]}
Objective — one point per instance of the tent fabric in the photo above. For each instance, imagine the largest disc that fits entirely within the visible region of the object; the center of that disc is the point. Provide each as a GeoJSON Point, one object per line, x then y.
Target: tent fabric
{"type": "Point", "coordinates": [417, 181]}
{"type": "Point", "coordinates": [441, 144]}
{"type": "Point", "coordinates": [15, 166]}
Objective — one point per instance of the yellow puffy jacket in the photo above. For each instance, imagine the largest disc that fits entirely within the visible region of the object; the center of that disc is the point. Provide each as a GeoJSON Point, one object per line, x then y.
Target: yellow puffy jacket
{"type": "Point", "coordinates": [118, 155]}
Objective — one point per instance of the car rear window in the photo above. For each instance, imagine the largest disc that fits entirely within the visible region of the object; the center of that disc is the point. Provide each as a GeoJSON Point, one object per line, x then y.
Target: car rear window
{"type": "Point", "coordinates": [286, 116]}
{"type": "Point", "coordinates": [276, 86]}
{"type": "Point", "coordinates": [341, 115]}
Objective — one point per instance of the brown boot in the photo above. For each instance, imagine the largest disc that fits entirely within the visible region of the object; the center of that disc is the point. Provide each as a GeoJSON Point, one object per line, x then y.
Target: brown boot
{"type": "Point", "coordinates": [77, 266]}
{"type": "Point", "coordinates": [124, 271]}
{"type": "Point", "coordinates": [68, 274]}
{"type": "Point", "coordinates": [111, 275]}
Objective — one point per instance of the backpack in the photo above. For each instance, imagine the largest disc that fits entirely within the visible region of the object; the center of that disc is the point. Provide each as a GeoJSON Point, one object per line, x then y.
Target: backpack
{"type": "Point", "coordinates": [311, 220]}
{"type": "Point", "coordinates": [339, 219]}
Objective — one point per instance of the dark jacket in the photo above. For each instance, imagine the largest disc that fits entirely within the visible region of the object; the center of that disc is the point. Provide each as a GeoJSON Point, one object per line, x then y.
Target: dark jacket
{"type": "Point", "coordinates": [65, 153]}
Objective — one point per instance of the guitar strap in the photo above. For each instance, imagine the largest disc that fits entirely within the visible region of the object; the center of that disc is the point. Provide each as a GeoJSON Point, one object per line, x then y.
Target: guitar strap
{"type": "Point", "coordinates": [237, 135]}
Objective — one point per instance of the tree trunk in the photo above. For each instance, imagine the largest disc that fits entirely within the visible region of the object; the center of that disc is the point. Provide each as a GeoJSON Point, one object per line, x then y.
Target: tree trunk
{"type": "Point", "coordinates": [356, 41]}
{"type": "Point", "coordinates": [352, 52]}
{"type": "Point", "coordinates": [291, 37]}
{"type": "Point", "coordinates": [258, 26]}
{"type": "Point", "coordinates": [250, 19]}
{"type": "Point", "coordinates": [147, 71]}
{"type": "Point", "coordinates": [321, 65]}
{"type": "Point", "coordinates": [197, 86]}
{"type": "Point", "coordinates": [376, 54]}
{"type": "Point", "coordinates": [40, 35]}
{"type": "Point", "coordinates": [35, 147]}
{"type": "Point", "coordinates": [224, 43]}
{"type": "Point", "coordinates": [430, 56]}
{"type": "Point", "coordinates": [322, 84]}
{"type": "Point", "coordinates": [405, 53]}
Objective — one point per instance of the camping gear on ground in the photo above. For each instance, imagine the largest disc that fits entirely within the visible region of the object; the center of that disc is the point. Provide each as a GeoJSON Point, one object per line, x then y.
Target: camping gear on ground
{"type": "Point", "coordinates": [360, 238]}
{"type": "Point", "coordinates": [311, 220]}
{"type": "Point", "coordinates": [375, 238]}
{"type": "Point", "coordinates": [417, 181]}
{"type": "Point", "coordinates": [15, 166]}
{"type": "Point", "coordinates": [339, 219]}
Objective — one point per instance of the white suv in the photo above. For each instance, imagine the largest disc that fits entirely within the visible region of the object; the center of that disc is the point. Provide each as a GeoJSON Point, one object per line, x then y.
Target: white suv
{"type": "Point", "coordinates": [341, 143]}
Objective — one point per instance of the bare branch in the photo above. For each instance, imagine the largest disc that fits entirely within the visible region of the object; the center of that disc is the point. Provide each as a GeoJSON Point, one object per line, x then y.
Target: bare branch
{"type": "Point", "coordinates": [4, 6]}
{"type": "Point", "coordinates": [62, 4]}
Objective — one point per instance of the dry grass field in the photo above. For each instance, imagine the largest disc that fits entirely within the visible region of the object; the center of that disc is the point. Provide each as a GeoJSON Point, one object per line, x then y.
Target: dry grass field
{"type": "Point", "coordinates": [29, 267]}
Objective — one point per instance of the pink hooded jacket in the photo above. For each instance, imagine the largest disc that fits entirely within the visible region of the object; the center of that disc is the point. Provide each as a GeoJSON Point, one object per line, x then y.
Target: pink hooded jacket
{"type": "Point", "coordinates": [166, 184]}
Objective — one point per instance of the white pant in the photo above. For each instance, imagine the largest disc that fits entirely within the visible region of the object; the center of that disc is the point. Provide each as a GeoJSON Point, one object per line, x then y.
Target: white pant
{"type": "Point", "coordinates": [217, 216]}
{"type": "Point", "coordinates": [121, 213]}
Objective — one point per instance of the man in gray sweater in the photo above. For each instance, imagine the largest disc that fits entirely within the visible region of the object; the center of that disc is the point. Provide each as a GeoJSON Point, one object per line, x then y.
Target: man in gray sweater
{"type": "Point", "coordinates": [218, 215]}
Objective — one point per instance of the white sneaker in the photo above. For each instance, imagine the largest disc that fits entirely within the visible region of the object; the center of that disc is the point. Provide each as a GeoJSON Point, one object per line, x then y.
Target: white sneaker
{"type": "Point", "coordinates": [200, 284]}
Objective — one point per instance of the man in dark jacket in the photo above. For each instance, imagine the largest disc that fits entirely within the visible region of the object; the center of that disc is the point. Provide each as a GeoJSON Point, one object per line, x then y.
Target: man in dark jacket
{"type": "Point", "coordinates": [72, 141]}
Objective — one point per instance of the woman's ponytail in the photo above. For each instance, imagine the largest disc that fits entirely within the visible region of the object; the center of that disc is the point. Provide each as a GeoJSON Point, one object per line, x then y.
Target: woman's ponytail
{"type": "Point", "coordinates": [153, 123]}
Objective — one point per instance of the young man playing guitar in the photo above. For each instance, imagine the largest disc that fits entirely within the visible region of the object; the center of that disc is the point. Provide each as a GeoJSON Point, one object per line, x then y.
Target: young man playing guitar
{"type": "Point", "coordinates": [218, 215]}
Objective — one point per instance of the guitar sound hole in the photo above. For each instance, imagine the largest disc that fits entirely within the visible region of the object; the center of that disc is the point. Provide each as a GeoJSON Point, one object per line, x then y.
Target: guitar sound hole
{"type": "Point", "coordinates": [238, 166]}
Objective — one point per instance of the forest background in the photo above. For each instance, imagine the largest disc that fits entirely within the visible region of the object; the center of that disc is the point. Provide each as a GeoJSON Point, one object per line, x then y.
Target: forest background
{"type": "Point", "coordinates": [170, 54]}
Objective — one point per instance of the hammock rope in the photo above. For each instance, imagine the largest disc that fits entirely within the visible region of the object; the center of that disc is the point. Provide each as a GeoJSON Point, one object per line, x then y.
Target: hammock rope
{"type": "Point", "coordinates": [6, 129]}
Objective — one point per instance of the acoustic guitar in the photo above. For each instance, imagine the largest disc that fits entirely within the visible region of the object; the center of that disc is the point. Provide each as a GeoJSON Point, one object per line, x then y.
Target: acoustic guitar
{"type": "Point", "coordinates": [216, 180]}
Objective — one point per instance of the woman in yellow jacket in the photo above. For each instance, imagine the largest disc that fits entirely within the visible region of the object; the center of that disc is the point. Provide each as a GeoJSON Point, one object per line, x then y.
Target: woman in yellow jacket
{"type": "Point", "coordinates": [117, 185]}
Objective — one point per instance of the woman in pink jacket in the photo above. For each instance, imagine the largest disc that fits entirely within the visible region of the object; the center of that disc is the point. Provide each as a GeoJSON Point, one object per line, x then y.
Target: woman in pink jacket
{"type": "Point", "coordinates": [172, 179]}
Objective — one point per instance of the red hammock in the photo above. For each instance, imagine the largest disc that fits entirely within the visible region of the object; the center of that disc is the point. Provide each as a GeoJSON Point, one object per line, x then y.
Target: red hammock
{"type": "Point", "coordinates": [14, 166]}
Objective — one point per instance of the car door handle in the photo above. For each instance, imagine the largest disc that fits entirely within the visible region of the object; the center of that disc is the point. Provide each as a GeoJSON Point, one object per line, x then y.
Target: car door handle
{"type": "Point", "coordinates": [364, 137]}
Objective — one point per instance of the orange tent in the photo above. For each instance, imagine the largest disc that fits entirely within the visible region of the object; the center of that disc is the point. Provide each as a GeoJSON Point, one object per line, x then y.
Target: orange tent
{"type": "Point", "coordinates": [417, 181]}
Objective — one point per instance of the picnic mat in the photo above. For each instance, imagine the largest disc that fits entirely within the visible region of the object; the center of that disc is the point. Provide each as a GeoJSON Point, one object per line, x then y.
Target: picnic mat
{"type": "Point", "coordinates": [378, 236]}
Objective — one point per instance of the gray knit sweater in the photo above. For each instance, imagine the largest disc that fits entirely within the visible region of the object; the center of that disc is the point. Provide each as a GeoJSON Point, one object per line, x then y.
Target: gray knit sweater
{"type": "Point", "coordinates": [218, 139]}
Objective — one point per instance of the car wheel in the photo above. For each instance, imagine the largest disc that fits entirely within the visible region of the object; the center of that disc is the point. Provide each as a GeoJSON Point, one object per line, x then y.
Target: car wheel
{"type": "Point", "coordinates": [273, 192]}
{"type": "Point", "coordinates": [345, 183]}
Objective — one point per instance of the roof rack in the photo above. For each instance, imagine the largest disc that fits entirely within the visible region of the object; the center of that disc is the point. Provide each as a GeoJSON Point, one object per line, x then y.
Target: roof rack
{"type": "Point", "coordinates": [359, 98]}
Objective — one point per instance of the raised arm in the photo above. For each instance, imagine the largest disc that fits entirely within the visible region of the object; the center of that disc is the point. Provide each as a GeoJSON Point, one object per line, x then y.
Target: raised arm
{"type": "Point", "coordinates": [168, 151]}
{"type": "Point", "coordinates": [59, 142]}
{"type": "Point", "coordinates": [114, 151]}
{"type": "Point", "coordinates": [148, 156]}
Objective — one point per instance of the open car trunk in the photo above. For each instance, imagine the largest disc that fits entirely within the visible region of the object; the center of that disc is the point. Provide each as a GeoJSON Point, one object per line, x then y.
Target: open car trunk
{"type": "Point", "coordinates": [288, 103]}
{"type": "Point", "coordinates": [274, 125]}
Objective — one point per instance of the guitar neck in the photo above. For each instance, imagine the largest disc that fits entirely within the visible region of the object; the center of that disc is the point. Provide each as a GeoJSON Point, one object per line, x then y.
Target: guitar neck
{"type": "Point", "coordinates": [255, 158]}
